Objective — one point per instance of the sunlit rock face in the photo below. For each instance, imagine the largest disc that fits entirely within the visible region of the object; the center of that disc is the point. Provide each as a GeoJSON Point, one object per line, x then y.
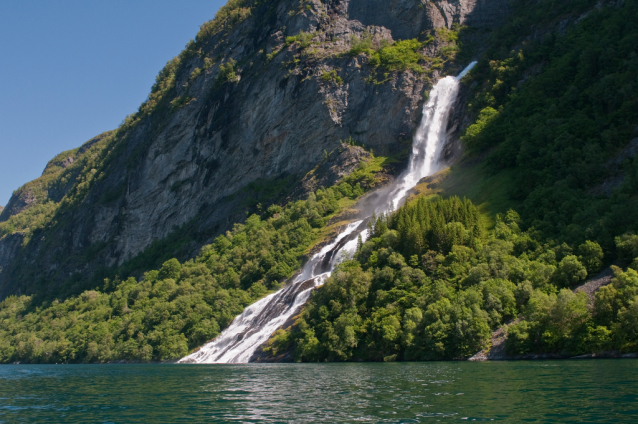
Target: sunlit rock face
{"type": "Point", "coordinates": [409, 18]}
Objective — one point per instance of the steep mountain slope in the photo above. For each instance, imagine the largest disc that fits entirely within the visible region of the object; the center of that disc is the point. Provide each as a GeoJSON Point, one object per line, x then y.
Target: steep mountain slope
{"type": "Point", "coordinates": [556, 98]}
{"type": "Point", "coordinates": [178, 306]}
{"type": "Point", "coordinates": [549, 130]}
{"type": "Point", "coordinates": [557, 120]}
{"type": "Point", "coordinates": [265, 89]}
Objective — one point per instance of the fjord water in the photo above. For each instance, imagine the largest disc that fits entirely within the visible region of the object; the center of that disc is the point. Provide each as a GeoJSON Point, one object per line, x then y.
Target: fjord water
{"type": "Point", "coordinates": [252, 328]}
{"type": "Point", "coordinates": [526, 391]}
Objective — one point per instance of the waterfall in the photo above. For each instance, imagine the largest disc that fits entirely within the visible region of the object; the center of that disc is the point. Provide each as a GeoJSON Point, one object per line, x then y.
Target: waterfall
{"type": "Point", "coordinates": [251, 329]}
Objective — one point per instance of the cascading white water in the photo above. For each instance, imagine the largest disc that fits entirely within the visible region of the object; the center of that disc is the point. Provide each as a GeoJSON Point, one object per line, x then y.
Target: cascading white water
{"type": "Point", "coordinates": [248, 331]}
{"type": "Point", "coordinates": [429, 138]}
{"type": "Point", "coordinates": [251, 329]}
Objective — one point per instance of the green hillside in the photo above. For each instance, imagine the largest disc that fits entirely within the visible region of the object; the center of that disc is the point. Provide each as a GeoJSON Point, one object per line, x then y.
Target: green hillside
{"type": "Point", "coordinates": [179, 306]}
{"type": "Point", "coordinates": [555, 137]}
{"type": "Point", "coordinates": [545, 197]}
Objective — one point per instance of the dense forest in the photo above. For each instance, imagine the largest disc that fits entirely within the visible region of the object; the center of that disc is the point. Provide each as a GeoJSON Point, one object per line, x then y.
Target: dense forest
{"type": "Point", "coordinates": [433, 283]}
{"type": "Point", "coordinates": [179, 306]}
{"type": "Point", "coordinates": [559, 109]}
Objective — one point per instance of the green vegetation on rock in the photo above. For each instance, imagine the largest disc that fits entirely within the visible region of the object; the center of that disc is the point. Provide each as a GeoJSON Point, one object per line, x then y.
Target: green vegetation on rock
{"type": "Point", "coordinates": [400, 56]}
{"type": "Point", "coordinates": [404, 55]}
{"type": "Point", "coordinates": [45, 194]}
{"type": "Point", "coordinates": [561, 113]}
{"type": "Point", "coordinates": [179, 306]}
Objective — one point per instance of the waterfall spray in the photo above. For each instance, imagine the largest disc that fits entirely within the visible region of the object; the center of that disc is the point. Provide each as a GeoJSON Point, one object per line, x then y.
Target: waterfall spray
{"type": "Point", "coordinates": [251, 329]}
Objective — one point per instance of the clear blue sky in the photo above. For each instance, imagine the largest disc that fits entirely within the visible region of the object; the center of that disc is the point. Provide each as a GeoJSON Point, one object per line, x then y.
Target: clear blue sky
{"type": "Point", "coordinates": [72, 69]}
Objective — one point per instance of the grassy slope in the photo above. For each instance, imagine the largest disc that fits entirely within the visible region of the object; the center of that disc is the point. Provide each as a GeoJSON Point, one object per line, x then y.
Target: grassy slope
{"type": "Point", "coordinates": [491, 193]}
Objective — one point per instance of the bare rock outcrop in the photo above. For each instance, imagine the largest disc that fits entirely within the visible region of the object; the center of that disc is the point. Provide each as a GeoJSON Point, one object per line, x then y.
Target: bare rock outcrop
{"type": "Point", "coordinates": [19, 202]}
{"type": "Point", "coordinates": [9, 246]}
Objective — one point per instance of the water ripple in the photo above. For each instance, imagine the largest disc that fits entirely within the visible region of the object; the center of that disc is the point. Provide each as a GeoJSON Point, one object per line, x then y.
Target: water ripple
{"type": "Point", "coordinates": [567, 391]}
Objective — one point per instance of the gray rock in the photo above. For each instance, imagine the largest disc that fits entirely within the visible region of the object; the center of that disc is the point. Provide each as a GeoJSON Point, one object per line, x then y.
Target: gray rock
{"type": "Point", "coordinates": [20, 201]}
{"type": "Point", "coordinates": [9, 246]}
{"type": "Point", "coordinates": [190, 168]}
{"type": "Point", "coordinates": [409, 18]}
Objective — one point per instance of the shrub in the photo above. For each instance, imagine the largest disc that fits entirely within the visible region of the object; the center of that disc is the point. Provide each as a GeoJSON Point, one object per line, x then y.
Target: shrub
{"type": "Point", "coordinates": [229, 15]}
{"type": "Point", "coordinates": [570, 271]}
{"type": "Point", "coordinates": [170, 269]}
{"type": "Point", "coordinates": [591, 255]}
{"type": "Point", "coordinates": [473, 136]}
{"type": "Point", "coordinates": [304, 39]}
{"type": "Point", "coordinates": [196, 72]}
{"type": "Point", "coordinates": [332, 76]}
{"type": "Point", "coordinates": [627, 246]}
{"type": "Point", "coordinates": [227, 72]}
{"type": "Point", "coordinates": [360, 45]}
{"type": "Point", "coordinates": [400, 56]}
{"type": "Point", "coordinates": [180, 102]}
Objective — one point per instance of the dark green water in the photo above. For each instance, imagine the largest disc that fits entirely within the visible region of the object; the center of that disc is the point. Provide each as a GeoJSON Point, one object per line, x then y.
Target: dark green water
{"type": "Point", "coordinates": [560, 391]}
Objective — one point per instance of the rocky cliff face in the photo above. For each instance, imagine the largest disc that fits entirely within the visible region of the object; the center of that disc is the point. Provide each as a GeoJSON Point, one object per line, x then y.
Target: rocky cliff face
{"type": "Point", "coordinates": [408, 18]}
{"type": "Point", "coordinates": [283, 105]}
{"type": "Point", "coordinates": [19, 202]}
